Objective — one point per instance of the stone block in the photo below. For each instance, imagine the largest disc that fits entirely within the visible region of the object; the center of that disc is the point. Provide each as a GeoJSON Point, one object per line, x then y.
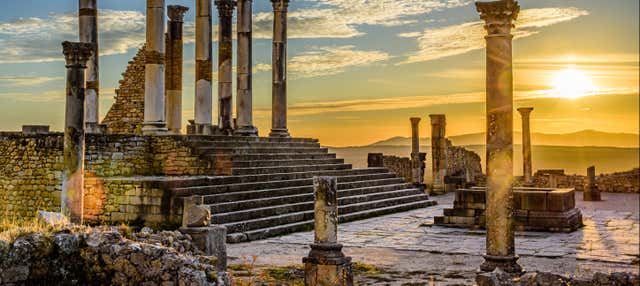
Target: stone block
{"type": "Point", "coordinates": [52, 218]}
{"type": "Point", "coordinates": [211, 240]}
{"type": "Point", "coordinates": [35, 129]}
{"type": "Point", "coordinates": [533, 200]}
{"type": "Point", "coordinates": [561, 200]}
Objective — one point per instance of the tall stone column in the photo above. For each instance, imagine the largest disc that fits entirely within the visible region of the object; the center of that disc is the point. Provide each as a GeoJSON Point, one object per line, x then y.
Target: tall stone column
{"type": "Point", "coordinates": [499, 17]}
{"type": "Point", "coordinates": [526, 144]}
{"type": "Point", "coordinates": [244, 103]}
{"type": "Point", "coordinates": [279, 70]}
{"type": "Point", "coordinates": [154, 97]}
{"type": "Point", "coordinates": [326, 265]}
{"type": "Point", "coordinates": [204, 70]}
{"type": "Point", "coordinates": [417, 158]}
{"type": "Point", "coordinates": [173, 75]}
{"type": "Point", "coordinates": [88, 20]}
{"type": "Point", "coordinates": [76, 57]}
{"type": "Point", "coordinates": [225, 63]}
{"type": "Point", "coordinates": [438, 152]}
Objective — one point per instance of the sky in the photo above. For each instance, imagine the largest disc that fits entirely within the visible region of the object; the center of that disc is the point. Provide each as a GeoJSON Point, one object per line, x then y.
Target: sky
{"type": "Point", "coordinates": [358, 69]}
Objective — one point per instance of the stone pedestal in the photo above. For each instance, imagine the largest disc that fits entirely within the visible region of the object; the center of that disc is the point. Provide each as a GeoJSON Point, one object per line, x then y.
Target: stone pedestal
{"type": "Point", "coordinates": [154, 85]}
{"type": "Point", "coordinates": [225, 63]}
{"type": "Point", "coordinates": [326, 265]}
{"type": "Point", "coordinates": [173, 75]}
{"type": "Point", "coordinates": [591, 193]}
{"type": "Point", "coordinates": [526, 144]}
{"type": "Point", "coordinates": [88, 29]}
{"type": "Point", "coordinates": [212, 241]}
{"type": "Point", "coordinates": [76, 57]}
{"type": "Point", "coordinates": [438, 153]}
{"type": "Point", "coordinates": [279, 70]}
{"type": "Point", "coordinates": [499, 17]}
{"type": "Point", "coordinates": [244, 103]}
{"type": "Point", "coordinates": [204, 71]}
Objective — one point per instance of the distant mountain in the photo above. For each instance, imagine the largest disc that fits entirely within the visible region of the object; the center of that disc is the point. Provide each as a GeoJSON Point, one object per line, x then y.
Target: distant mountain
{"type": "Point", "coordinates": [580, 138]}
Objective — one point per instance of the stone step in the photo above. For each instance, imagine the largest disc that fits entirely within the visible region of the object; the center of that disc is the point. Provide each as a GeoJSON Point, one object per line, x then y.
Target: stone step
{"type": "Point", "coordinates": [224, 182]}
{"type": "Point", "coordinates": [305, 196]}
{"type": "Point", "coordinates": [265, 217]}
{"type": "Point", "coordinates": [289, 169]}
{"type": "Point", "coordinates": [307, 225]}
{"type": "Point", "coordinates": [276, 156]}
{"type": "Point", "coordinates": [286, 162]}
{"type": "Point", "coordinates": [259, 150]}
{"type": "Point", "coordinates": [218, 138]}
{"type": "Point", "coordinates": [254, 144]}
{"type": "Point", "coordinates": [238, 192]}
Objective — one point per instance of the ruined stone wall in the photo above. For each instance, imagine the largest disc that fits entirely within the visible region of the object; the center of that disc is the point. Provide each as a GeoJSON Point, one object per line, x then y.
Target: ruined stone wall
{"type": "Point", "coordinates": [399, 166]}
{"type": "Point", "coordinates": [463, 163]}
{"type": "Point", "coordinates": [127, 113]}
{"type": "Point", "coordinates": [31, 173]}
{"type": "Point", "coordinates": [621, 182]}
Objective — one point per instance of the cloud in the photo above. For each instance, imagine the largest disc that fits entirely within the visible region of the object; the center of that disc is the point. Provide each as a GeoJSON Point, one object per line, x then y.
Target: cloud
{"type": "Point", "coordinates": [46, 96]}
{"type": "Point", "coordinates": [324, 61]}
{"type": "Point", "coordinates": [18, 81]}
{"type": "Point", "coordinates": [38, 39]}
{"type": "Point", "coordinates": [410, 35]}
{"type": "Point", "coordinates": [436, 43]}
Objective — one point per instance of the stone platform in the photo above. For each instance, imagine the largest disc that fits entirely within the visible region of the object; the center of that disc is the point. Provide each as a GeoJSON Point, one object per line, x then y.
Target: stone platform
{"type": "Point", "coordinates": [536, 209]}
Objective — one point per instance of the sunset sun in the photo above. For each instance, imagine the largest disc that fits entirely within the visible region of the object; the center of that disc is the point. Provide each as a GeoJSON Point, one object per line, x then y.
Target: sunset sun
{"type": "Point", "coordinates": [571, 83]}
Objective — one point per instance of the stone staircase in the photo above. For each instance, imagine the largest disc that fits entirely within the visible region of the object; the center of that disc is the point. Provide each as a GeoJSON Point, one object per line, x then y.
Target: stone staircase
{"type": "Point", "coordinates": [268, 186]}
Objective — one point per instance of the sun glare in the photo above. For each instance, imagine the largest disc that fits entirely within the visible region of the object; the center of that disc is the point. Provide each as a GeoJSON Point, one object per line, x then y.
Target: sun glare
{"type": "Point", "coordinates": [571, 83]}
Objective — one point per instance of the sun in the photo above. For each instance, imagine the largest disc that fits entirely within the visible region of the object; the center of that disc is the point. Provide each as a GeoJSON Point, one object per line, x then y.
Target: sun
{"type": "Point", "coordinates": [571, 83]}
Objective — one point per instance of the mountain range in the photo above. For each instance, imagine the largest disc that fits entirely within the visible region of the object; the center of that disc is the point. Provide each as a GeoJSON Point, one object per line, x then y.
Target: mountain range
{"type": "Point", "coordinates": [580, 138]}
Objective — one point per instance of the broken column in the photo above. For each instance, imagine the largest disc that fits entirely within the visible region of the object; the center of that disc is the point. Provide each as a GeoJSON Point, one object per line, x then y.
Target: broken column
{"type": "Point", "coordinates": [88, 22]}
{"type": "Point", "coordinates": [326, 265]}
{"type": "Point", "coordinates": [204, 70]}
{"type": "Point", "coordinates": [500, 244]}
{"type": "Point", "coordinates": [591, 193]}
{"type": "Point", "coordinates": [279, 70]}
{"type": "Point", "coordinates": [225, 63]}
{"type": "Point", "coordinates": [417, 158]}
{"type": "Point", "coordinates": [244, 103]}
{"type": "Point", "coordinates": [76, 57]}
{"type": "Point", "coordinates": [154, 100]}
{"type": "Point", "coordinates": [526, 144]}
{"type": "Point", "coordinates": [173, 75]}
{"type": "Point", "coordinates": [438, 153]}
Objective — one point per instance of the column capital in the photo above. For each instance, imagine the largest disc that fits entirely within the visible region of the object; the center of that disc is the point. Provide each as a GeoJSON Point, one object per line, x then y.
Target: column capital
{"type": "Point", "coordinates": [498, 16]}
{"type": "Point", "coordinates": [280, 5]}
{"type": "Point", "coordinates": [176, 13]}
{"type": "Point", "coordinates": [437, 119]}
{"type": "Point", "coordinates": [525, 111]}
{"type": "Point", "coordinates": [77, 54]}
{"type": "Point", "coordinates": [415, 120]}
{"type": "Point", "coordinates": [225, 7]}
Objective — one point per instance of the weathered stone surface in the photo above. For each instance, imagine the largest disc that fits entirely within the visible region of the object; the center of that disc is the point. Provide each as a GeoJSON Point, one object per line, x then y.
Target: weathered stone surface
{"type": "Point", "coordinates": [52, 218]}
{"type": "Point", "coordinates": [198, 216]}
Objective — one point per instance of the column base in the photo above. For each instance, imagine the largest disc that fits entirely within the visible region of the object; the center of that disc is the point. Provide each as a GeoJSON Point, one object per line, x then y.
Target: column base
{"type": "Point", "coordinates": [280, 132]}
{"type": "Point", "coordinates": [326, 265]}
{"type": "Point", "coordinates": [508, 264]}
{"type": "Point", "coordinates": [154, 128]}
{"type": "Point", "coordinates": [246, 131]}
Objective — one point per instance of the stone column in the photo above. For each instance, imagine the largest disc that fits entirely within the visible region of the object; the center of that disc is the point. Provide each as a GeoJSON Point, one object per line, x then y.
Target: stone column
{"type": "Point", "coordinates": [244, 103]}
{"type": "Point", "coordinates": [225, 63]}
{"type": "Point", "coordinates": [591, 193]}
{"type": "Point", "coordinates": [173, 75]}
{"type": "Point", "coordinates": [438, 152]}
{"type": "Point", "coordinates": [154, 100]}
{"type": "Point", "coordinates": [88, 20]}
{"type": "Point", "coordinates": [279, 70]}
{"type": "Point", "coordinates": [204, 71]}
{"type": "Point", "coordinates": [76, 57]}
{"type": "Point", "coordinates": [417, 164]}
{"type": "Point", "coordinates": [526, 144]}
{"type": "Point", "coordinates": [499, 17]}
{"type": "Point", "coordinates": [326, 264]}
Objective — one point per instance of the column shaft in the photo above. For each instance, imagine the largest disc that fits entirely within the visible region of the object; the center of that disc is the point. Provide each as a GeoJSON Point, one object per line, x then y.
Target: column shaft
{"type": "Point", "coordinates": [416, 162]}
{"type": "Point", "coordinates": [76, 56]}
{"type": "Point", "coordinates": [204, 70]}
{"type": "Point", "coordinates": [88, 21]}
{"type": "Point", "coordinates": [438, 152]}
{"type": "Point", "coordinates": [173, 75]}
{"type": "Point", "coordinates": [499, 107]}
{"type": "Point", "coordinates": [279, 70]}
{"type": "Point", "coordinates": [244, 103]}
{"type": "Point", "coordinates": [225, 64]}
{"type": "Point", "coordinates": [526, 144]}
{"type": "Point", "coordinates": [154, 97]}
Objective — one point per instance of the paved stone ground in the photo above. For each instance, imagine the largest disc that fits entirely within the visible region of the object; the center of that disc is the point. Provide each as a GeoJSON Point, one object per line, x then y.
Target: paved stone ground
{"type": "Point", "coordinates": [407, 251]}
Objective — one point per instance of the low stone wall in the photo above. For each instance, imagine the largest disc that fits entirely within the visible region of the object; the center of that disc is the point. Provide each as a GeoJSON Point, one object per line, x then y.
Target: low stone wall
{"type": "Point", "coordinates": [501, 278]}
{"type": "Point", "coordinates": [31, 172]}
{"type": "Point", "coordinates": [463, 165]}
{"type": "Point", "coordinates": [76, 256]}
{"type": "Point", "coordinates": [399, 166]}
{"type": "Point", "coordinates": [621, 182]}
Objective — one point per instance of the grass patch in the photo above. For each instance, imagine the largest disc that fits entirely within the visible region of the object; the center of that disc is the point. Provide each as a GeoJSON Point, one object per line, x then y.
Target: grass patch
{"type": "Point", "coordinates": [363, 268]}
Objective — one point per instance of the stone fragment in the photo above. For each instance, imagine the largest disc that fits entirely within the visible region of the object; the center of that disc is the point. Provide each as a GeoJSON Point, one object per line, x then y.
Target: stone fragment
{"type": "Point", "coordinates": [53, 218]}
{"type": "Point", "coordinates": [198, 216]}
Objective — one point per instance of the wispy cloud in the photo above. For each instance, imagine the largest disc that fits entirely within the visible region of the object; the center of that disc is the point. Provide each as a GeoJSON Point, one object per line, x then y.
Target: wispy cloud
{"type": "Point", "coordinates": [18, 81]}
{"type": "Point", "coordinates": [324, 61]}
{"type": "Point", "coordinates": [435, 43]}
{"type": "Point", "coordinates": [45, 96]}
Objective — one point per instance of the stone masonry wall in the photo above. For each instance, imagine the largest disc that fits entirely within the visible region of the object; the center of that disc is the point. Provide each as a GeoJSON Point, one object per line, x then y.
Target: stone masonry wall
{"type": "Point", "coordinates": [31, 173]}
{"type": "Point", "coordinates": [464, 163]}
{"type": "Point", "coordinates": [127, 113]}
{"type": "Point", "coordinates": [621, 182]}
{"type": "Point", "coordinates": [399, 166]}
